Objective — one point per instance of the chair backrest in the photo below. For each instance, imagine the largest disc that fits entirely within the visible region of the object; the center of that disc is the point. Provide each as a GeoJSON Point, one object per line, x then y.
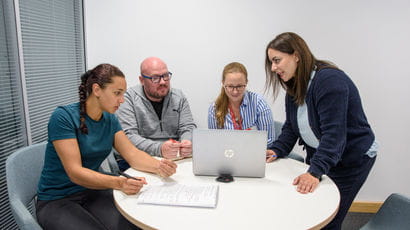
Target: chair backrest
{"type": "Point", "coordinates": [110, 165]}
{"type": "Point", "coordinates": [23, 169]}
{"type": "Point", "coordinates": [278, 130]}
{"type": "Point", "coordinates": [393, 214]}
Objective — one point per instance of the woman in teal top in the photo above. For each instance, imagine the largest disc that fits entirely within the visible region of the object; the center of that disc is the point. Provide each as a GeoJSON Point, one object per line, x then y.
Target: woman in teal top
{"type": "Point", "coordinates": [72, 194]}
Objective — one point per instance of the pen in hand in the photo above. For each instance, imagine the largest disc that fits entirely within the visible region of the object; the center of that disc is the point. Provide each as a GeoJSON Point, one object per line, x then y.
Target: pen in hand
{"type": "Point", "coordinates": [178, 153]}
{"type": "Point", "coordinates": [270, 158]}
{"type": "Point", "coordinates": [128, 176]}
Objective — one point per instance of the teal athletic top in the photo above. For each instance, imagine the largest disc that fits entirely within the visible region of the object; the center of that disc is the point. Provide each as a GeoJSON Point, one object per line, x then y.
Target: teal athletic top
{"type": "Point", "coordinates": [95, 146]}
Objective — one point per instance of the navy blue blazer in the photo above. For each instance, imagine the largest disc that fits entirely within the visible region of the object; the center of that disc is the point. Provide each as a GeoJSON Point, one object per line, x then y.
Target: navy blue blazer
{"type": "Point", "coordinates": [337, 119]}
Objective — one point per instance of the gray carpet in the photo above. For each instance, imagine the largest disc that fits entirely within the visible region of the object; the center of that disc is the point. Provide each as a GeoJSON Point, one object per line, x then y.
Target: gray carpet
{"type": "Point", "coordinates": [355, 220]}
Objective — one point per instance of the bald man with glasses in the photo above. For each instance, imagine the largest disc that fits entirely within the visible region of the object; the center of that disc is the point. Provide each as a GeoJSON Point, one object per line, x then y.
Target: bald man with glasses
{"type": "Point", "coordinates": [156, 117]}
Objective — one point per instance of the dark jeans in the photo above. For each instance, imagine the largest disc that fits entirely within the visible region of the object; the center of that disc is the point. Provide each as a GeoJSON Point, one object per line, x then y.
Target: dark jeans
{"type": "Point", "coordinates": [122, 165]}
{"type": "Point", "coordinates": [348, 180]}
{"type": "Point", "coordinates": [90, 209]}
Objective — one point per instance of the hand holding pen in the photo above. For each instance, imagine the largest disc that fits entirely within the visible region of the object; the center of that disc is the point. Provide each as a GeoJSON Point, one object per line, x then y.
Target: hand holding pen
{"type": "Point", "coordinates": [176, 144]}
{"type": "Point", "coordinates": [270, 156]}
{"type": "Point", "coordinates": [170, 149]}
{"type": "Point", "coordinates": [132, 185]}
{"type": "Point", "coordinates": [186, 148]}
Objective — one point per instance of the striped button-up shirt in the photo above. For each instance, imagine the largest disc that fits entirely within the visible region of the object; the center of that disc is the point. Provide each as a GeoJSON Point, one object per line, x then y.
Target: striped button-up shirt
{"type": "Point", "coordinates": [255, 114]}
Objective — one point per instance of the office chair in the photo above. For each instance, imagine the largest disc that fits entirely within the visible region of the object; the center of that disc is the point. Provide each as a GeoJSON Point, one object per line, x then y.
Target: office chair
{"type": "Point", "coordinates": [393, 214]}
{"type": "Point", "coordinates": [110, 165]}
{"type": "Point", "coordinates": [23, 169]}
{"type": "Point", "coordinates": [278, 129]}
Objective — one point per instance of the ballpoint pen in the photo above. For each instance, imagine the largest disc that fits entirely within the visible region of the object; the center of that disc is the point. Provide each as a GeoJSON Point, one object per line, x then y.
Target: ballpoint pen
{"type": "Point", "coordinates": [178, 153]}
{"type": "Point", "coordinates": [128, 176]}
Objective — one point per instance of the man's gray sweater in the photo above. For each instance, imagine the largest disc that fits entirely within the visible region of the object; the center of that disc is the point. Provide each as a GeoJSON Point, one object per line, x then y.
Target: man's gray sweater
{"type": "Point", "coordinates": [142, 125]}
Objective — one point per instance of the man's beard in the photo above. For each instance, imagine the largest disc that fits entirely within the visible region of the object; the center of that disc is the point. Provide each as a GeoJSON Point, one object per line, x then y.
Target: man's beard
{"type": "Point", "coordinates": [156, 95]}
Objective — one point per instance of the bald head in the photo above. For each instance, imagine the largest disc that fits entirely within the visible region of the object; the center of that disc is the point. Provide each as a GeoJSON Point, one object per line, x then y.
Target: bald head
{"type": "Point", "coordinates": [151, 64]}
{"type": "Point", "coordinates": [154, 67]}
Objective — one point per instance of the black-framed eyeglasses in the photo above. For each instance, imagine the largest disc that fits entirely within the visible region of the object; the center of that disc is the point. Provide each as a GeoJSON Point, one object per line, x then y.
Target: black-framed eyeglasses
{"type": "Point", "coordinates": [231, 88]}
{"type": "Point", "coordinates": [157, 79]}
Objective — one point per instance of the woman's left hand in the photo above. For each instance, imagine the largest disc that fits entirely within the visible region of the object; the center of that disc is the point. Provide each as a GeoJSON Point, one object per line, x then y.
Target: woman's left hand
{"type": "Point", "coordinates": [166, 168]}
{"type": "Point", "coordinates": [306, 183]}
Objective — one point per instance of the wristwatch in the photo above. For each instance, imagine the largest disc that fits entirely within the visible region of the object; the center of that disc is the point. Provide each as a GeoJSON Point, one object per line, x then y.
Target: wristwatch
{"type": "Point", "coordinates": [316, 175]}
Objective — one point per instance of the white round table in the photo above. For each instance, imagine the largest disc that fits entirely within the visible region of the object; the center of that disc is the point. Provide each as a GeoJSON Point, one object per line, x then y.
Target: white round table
{"type": "Point", "coordinates": [247, 203]}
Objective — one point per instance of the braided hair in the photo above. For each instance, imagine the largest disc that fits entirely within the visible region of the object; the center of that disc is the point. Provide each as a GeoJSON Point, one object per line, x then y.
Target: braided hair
{"type": "Point", "coordinates": [101, 75]}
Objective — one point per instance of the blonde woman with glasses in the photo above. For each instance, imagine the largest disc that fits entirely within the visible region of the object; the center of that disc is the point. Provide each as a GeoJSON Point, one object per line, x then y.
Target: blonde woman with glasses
{"type": "Point", "coordinates": [238, 108]}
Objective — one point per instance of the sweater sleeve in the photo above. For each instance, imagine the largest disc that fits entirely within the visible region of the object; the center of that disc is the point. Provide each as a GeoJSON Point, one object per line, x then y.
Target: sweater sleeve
{"type": "Point", "coordinates": [127, 117]}
{"type": "Point", "coordinates": [331, 96]}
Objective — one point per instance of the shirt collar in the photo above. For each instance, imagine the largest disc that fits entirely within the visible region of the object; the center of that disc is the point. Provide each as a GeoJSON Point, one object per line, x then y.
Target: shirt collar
{"type": "Point", "coordinates": [245, 100]}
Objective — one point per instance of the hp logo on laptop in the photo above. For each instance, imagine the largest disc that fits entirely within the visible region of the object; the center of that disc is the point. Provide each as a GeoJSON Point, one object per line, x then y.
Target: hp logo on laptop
{"type": "Point", "coordinates": [229, 153]}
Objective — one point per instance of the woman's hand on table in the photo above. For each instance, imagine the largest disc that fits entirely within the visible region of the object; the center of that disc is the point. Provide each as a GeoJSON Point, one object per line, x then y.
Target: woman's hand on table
{"type": "Point", "coordinates": [166, 168]}
{"type": "Point", "coordinates": [306, 183]}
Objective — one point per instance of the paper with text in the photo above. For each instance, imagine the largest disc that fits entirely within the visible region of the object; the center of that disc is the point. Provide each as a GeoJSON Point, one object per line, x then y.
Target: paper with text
{"type": "Point", "coordinates": [180, 195]}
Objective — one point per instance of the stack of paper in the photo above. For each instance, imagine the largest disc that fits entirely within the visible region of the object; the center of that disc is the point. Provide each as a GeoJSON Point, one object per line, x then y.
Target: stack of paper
{"type": "Point", "coordinates": [180, 195]}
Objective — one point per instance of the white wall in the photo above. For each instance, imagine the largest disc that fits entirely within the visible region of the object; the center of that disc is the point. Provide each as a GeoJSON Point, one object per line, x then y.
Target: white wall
{"type": "Point", "coordinates": [367, 39]}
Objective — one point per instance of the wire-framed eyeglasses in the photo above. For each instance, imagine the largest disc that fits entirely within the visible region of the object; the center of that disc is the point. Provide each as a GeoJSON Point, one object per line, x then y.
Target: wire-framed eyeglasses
{"type": "Point", "coordinates": [157, 79]}
{"type": "Point", "coordinates": [231, 88]}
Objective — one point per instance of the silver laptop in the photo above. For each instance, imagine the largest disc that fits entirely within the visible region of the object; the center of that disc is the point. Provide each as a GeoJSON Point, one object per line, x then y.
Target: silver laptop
{"type": "Point", "coordinates": [240, 153]}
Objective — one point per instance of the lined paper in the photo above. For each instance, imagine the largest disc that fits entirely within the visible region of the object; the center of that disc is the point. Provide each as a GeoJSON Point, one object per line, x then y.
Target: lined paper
{"type": "Point", "coordinates": [180, 195]}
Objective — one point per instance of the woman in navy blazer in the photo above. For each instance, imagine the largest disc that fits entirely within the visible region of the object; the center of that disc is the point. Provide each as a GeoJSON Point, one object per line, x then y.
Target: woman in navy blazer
{"type": "Point", "coordinates": [324, 112]}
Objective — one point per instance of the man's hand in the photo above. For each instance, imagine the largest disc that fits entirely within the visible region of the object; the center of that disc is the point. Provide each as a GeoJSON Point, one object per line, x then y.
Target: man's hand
{"type": "Point", "coordinates": [166, 168]}
{"type": "Point", "coordinates": [170, 149]}
{"type": "Point", "coordinates": [186, 148]}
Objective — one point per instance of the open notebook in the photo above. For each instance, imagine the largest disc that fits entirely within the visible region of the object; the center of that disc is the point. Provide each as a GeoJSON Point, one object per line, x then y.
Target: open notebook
{"type": "Point", "coordinates": [175, 194]}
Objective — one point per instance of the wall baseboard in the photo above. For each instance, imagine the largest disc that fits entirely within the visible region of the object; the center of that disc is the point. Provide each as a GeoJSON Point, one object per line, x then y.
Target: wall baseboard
{"type": "Point", "coordinates": [369, 207]}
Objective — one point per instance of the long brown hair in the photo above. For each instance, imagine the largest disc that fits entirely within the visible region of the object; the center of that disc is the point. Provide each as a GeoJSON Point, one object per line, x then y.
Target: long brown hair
{"type": "Point", "coordinates": [292, 43]}
{"type": "Point", "coordinates": [101, 75]}
{"type": "Point", "coordinates": [222, 101]}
